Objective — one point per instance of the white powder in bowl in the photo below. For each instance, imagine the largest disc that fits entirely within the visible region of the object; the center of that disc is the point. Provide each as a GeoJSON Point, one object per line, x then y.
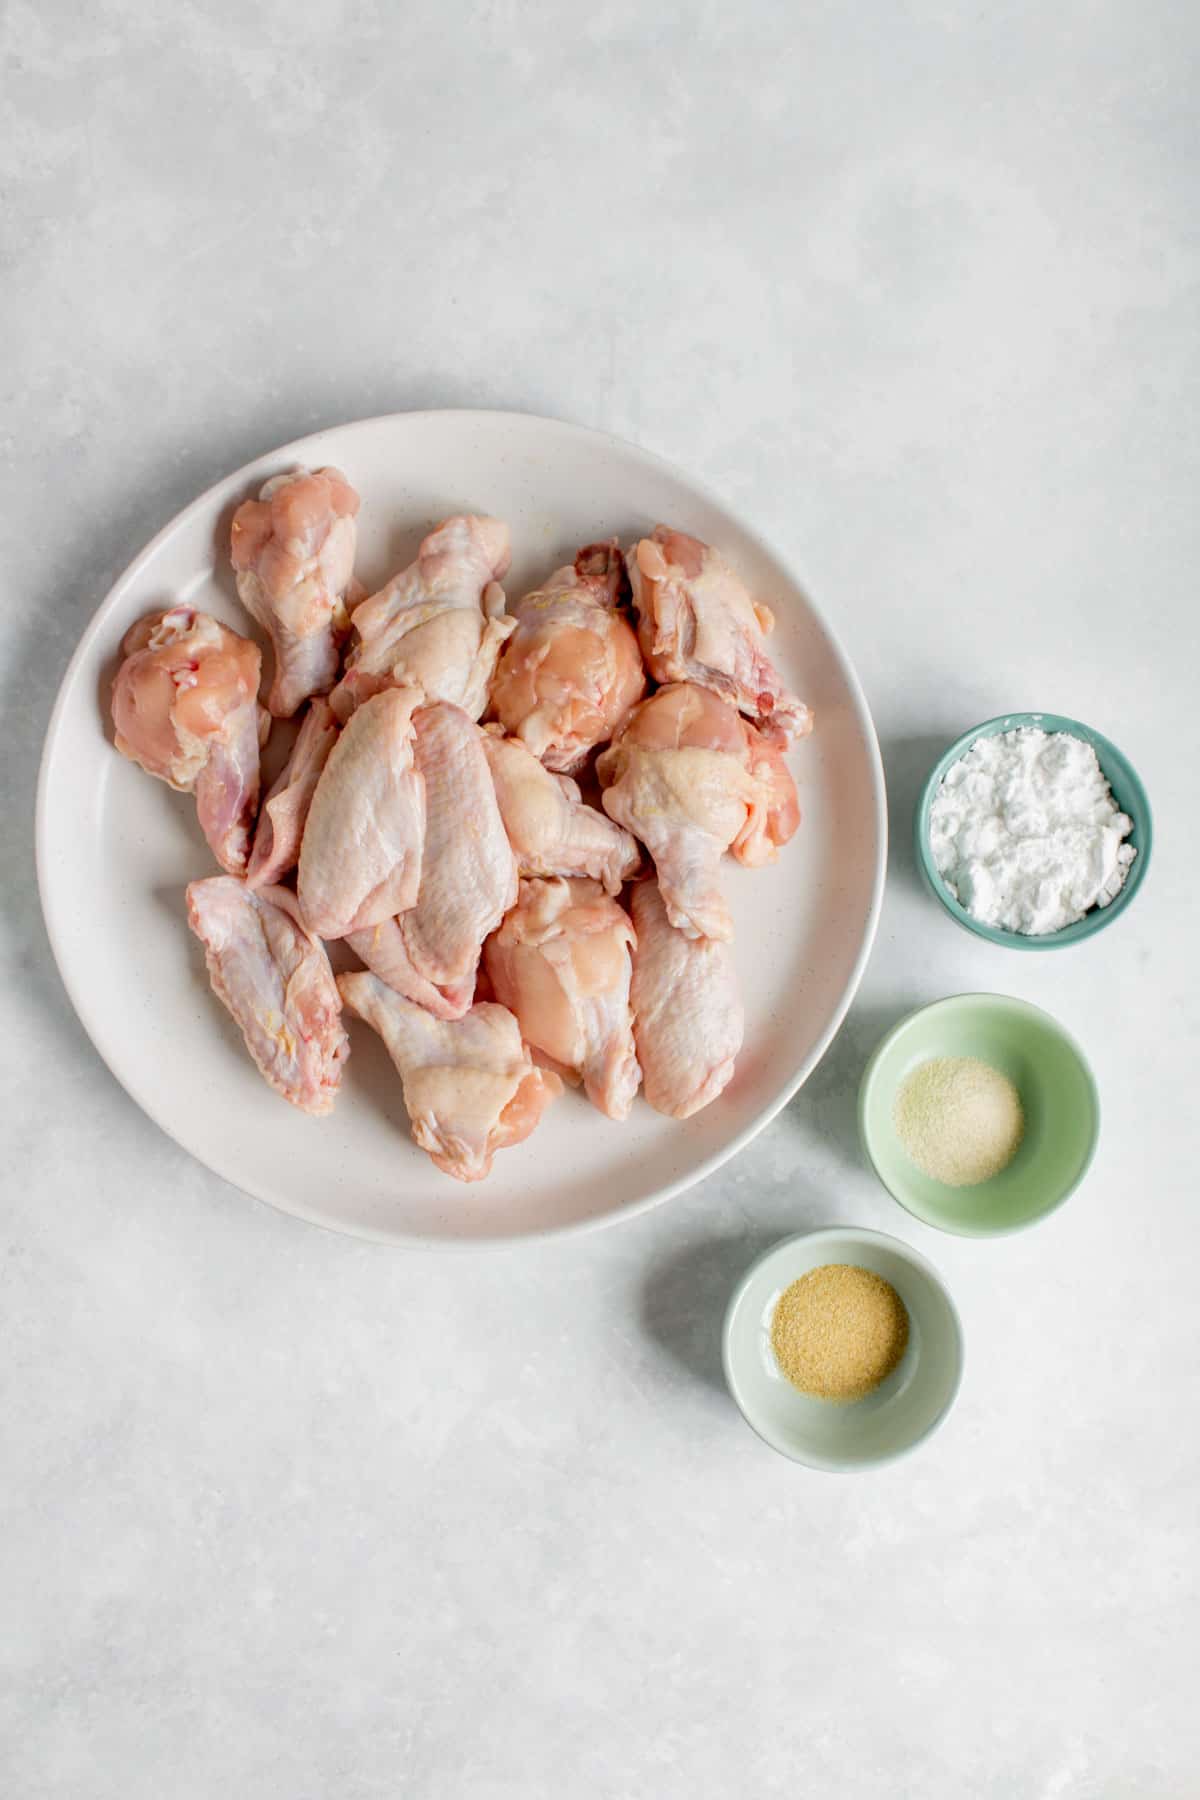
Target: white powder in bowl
{"type": "Point", "coordinates": [1025, 832]}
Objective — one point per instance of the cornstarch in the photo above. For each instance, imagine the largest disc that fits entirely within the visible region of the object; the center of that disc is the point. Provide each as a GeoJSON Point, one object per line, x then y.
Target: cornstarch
{"type": "Point", "coordinates": [1026, 834]}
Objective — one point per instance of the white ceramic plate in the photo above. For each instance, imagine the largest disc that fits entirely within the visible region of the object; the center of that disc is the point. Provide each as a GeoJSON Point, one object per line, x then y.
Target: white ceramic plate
{"type": "Point", "coordinates": [116, 849]}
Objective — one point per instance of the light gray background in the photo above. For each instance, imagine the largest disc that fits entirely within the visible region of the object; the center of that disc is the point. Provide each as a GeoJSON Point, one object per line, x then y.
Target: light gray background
{"type": "Point", "coordinates": [916, 286]}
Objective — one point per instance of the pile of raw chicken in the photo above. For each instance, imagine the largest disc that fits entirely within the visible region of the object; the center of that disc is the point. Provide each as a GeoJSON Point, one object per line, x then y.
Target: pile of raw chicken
{"type": "Point", "coordinates": [460, 861]}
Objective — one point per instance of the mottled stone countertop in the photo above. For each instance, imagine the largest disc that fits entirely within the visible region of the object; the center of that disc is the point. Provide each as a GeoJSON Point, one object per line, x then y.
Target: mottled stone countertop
{"type": "Point", "coordinates": [287, 1515]}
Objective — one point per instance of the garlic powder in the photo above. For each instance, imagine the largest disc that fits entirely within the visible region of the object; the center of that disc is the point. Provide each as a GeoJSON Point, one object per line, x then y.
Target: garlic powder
{"type": "Point", "coordinates": [1025, 832]}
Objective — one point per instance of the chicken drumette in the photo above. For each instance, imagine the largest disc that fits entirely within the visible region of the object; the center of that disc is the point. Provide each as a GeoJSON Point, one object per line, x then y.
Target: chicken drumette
{"type": "Point", "coordinates": [185, 708]}
{"type": "Point", "coordinates": [551, 829]}
{"type": "Point", "coordinates": [561, 963]}
{"type": "Point", "coordinates": [696, 622]}
{"type": "Point", "coordinates": [572, 669]}
{"type": "Point", "coordinates": [293, 551]}
{"type": "Point", "coordinates": [438, 625]}
{"type": "Point", "coordinates": [691, 778]}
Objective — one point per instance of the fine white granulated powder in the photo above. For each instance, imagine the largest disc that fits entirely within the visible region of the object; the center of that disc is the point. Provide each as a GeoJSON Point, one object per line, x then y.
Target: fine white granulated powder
{"type": "Point", "coordinates": [1026, 834]}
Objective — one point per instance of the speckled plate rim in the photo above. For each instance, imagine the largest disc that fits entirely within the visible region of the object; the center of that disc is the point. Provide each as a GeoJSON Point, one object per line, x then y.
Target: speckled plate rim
{"type": "Point", "coordinates": [947, 1003]}
{"type": "Point", "coordinates": [1128, 791]}
{"type": "Point", "coordinates": [98, 1028]}
{"type": "Point", "coordinates": [843, 1234]}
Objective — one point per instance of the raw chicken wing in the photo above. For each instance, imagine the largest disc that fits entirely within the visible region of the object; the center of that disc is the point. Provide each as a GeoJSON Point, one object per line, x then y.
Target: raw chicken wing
{"type": "Point", "coordinates": [696, 622]}
{"type": "Point", "coordinates": [573, 669]}
{"type": "Point", "coordinates": [688, 1018]}
{"type": "Point", "coordinates": [360, 858]}
{"type": "Point", "coordinates": [438, 625]}
{"type": "Point", "coordinates": [561, 962]}
{"type": "Point", "coordinates": [285, 809]}
{"type": "Point", "coordinates": [468, 870]}
{"type": "Point", "coordinates": [692, 779]}
{"type": "Point", "coordinates": [275, 978]}
{"type": "Point", "coordinates": [185, 707]}
{"type": "Point", "coordinates": [293, 551]}
{"type": "Point", "coordinates": [469, 1084]}
{"type": "Point", "coordinates": [551, 829]}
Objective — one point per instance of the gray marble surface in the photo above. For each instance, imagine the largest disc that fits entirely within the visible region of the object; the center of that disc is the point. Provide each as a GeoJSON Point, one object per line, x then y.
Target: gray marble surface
{"type": "Point", "coordinates": [287, 1515]}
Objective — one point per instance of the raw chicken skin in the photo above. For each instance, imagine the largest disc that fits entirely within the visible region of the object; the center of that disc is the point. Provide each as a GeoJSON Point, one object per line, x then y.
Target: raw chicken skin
{"type": "Point", "coordinates": [572, 670]}
{"type": "Point", "coordinates": [777, 819]}
{"type": "Point", "coordinates": [185, 708]}
{"type": "Point", "coordinates": [691, 778]}
{"type": "Point", "coordinates": [470, 1087]}
{"type": "Point", "coordinates": [285, 809]}
{"type": "Point", "coordinates": [688, 1018]}
{"type": "Point", "coordinates": [385, 952]}
{"type": "Point", "coordinates": [696, 622]}
{"type": "Point", "coordinates": [561, 963]}
{"type": "Point", "coordinates": [293, 552]}
{"type": "Point", "coordinates": [438, 625]}
{"type": "Point", "coordinates": [275, 978]}
{"type": "Point", "coordinates": [468, 871]}
{"type": "Point", "coordinates": [549, 827]}
{"type": "Point", "coordinates": [360, 858]}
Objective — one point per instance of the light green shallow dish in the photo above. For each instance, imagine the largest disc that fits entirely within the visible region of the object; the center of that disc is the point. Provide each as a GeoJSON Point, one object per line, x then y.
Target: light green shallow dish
{"type": "Point", "coordinates": [1058, 1093]}
{"type": "Point", "coordinates": [826, 1434]}
{"type": "Point", "coordinates": [1127, 791]}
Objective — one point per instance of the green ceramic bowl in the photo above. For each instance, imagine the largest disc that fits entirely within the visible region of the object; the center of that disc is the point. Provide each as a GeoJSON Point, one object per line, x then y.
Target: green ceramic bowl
{"type": "Point", "coordinates": [1058, 1093]}
{"type": "Point", "coordinates": [1127, 791]}
{"type": "Point", "coordinates": [827, 1434]}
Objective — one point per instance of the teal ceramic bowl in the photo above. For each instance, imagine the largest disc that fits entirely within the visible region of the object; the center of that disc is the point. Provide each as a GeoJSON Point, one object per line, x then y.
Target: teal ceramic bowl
{"type": "Point", "coordinates": [1058, 1095]}
{"type": "Point", "coordinates": [829, 1434]}
{"type": "Point", "coordinates": [1127, 791]}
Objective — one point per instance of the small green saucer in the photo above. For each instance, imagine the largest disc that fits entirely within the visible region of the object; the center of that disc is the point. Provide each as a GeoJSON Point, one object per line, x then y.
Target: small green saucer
{"type": "Point", "coordinates": [1058, 1093]}
{"type": "Point", "coordinates": [903, 1410]}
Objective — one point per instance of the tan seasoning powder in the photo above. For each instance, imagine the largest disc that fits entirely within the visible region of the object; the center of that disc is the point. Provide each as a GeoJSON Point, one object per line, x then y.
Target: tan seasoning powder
{"type": "Point", "coordinates": [960, 1120]}
{"type": "Point", "coordinates": [839, 1331]}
